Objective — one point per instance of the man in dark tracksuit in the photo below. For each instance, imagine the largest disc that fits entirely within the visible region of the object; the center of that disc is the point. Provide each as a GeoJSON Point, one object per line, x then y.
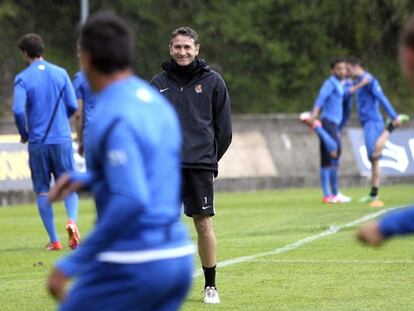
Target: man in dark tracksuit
{"type": "Point", "coordinates": [201, 100]}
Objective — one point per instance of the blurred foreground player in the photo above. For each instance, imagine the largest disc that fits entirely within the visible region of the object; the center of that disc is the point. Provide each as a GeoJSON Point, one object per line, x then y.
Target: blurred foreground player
{"type": "Point", "coordinates": [402, 221]}
{"type": "Point", "coordinates": [138, 256]}
{"type": "Point", "coordinates": [44, 100]}
{"type": "Point", "coordinates": [202, 102]}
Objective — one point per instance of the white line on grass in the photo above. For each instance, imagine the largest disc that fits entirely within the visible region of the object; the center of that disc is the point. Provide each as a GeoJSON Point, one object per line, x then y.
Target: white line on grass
{"type": "Point", "coordinates": [287, 261]}
{"type": "Point", "coordinates": [297, 244]}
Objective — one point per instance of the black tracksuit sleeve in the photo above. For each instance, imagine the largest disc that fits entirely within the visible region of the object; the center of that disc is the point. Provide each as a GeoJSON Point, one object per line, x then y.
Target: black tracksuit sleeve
{"type": "Point", "coordinates": [222, 117]}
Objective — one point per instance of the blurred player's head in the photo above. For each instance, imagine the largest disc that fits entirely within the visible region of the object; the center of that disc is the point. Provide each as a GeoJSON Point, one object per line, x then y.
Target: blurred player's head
{"type": "Point", "coordinates": [184, 46]}
{"type": "Point", "coordinates": [106, 46]}
{"type": "Point", "coordinates": [31, 46]}
{"type": "Point", "coordinates": [355, 66]}
{"type": "Point", "coordinates": [338, 68]}
{"type": "Point", "coordinates": [406, 50]}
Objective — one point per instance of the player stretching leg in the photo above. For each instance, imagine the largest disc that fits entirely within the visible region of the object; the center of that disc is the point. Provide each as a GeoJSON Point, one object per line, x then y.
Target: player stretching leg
{"type": "Point", "coordinates": [399, 222]}
{"type": "Point", "coordinates": [329, 105]}
{"type": "Point", "coordinates": [368, 101]}
{"type": "Point", "coordinates": [138, 256]}
{"type": "Point", "coordinates": [43, 102]}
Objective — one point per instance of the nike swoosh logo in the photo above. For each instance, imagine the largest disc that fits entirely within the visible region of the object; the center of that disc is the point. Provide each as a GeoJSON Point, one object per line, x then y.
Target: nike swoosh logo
{"type": "Point", "coordinates": [206, 207]}
{"type": "Point", "coordinates": [163, 90]}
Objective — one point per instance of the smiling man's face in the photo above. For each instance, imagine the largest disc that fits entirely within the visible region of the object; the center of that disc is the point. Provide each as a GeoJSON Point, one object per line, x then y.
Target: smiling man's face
{"type": "Point", "coordinates": [183, 50]}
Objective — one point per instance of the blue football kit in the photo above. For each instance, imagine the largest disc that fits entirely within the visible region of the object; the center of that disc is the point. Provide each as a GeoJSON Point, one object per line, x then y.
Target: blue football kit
{"type": "Point", "coordinates": [83, 92]}
{"type": "Point", "coordinates": [44, 100]}
{"type": "Point", "coordinates": [331, 102]}
{"type": "Point", "coordinates": [369, 99]}
{"type": "Point", "coordinates": [138, 256]}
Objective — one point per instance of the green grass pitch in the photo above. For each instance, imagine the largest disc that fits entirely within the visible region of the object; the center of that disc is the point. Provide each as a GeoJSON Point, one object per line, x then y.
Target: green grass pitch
{"type": "Point", "coordinates": [331, 273]}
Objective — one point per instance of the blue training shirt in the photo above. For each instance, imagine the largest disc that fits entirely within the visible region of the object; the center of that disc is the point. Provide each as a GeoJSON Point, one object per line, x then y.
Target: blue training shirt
{"type": "Point", "coordinates": [368, 101]}
{"type": "Point", "coordinates": [397, 223]}
{"type": "Point", "coordinates": [44, 100]}
{"type": "Point", "coordinates": [83, 92]}
{"type": "Point", "coordinates": [330, 100]}
{"type": "Point", "coordinates": [135, 146]}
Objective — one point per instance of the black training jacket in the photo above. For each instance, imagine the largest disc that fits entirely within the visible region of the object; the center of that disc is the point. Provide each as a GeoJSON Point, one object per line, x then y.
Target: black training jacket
{"type": "Point", "coordinates": [203, 107]}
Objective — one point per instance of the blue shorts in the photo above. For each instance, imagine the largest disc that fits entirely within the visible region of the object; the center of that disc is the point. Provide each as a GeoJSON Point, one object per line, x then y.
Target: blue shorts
{"type": "Point", "coordinates": [47, 160]}
{"type": "Point", "coordinates": [332, 129]}
{"type": "Point", "coordinates": [160, 285]}
{"type": "Point", "coordinates": [372, 131]}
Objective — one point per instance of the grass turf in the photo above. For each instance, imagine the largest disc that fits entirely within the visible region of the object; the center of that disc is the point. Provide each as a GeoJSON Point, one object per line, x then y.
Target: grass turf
{"type": "Point", "coordinates": [331, 273]}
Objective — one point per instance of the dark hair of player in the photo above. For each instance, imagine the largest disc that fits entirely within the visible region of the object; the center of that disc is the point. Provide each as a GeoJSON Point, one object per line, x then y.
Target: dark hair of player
{"type": "Point", "coordinates": [109, 41]}
{"type": "Point", "coordinates": [354, 61]}
{"type": "Point", "coordinates": [32, 44]}
{"type": "Point", "coordinates": [407, 34]}
{"type": "Point", "coordinates": [185, 31]}
{"type": "Point", "coordinates": [336, 61]}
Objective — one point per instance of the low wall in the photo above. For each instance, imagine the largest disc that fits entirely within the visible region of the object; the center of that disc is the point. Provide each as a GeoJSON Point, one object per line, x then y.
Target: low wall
{"type": "Point", "coordinates": [267, 152]}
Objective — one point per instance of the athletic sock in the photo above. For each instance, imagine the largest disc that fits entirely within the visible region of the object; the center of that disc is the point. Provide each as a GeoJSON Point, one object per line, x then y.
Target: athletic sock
{"type": "Point", "coordinates": [210, 276]}
{"type": "Point", "coordinates": [46, 213]}
{"type": "Point", "coordinates": [374, 192]}
{"type": "Point", "coordinates": [328, 141]}
{"type": "Point", "coordinates": [325, 181]}
{"type": "Point", "coordinates": [72, 204]}
{"type": "Point", "coordinates": [333, 174]}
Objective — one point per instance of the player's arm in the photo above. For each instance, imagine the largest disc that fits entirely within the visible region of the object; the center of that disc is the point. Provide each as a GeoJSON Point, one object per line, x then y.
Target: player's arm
{"type": "Point", "coordinates": [376, 90]}
{"type": "Point", "coordinates": [400, 222]}
{"type": "Point", "coordinates": [19, 109]}
{"type": "Point", "coordinates": [325, 91]}
{"type": "Point", "coordinates": [79, 125]}
{"type": "Point", "coordinates": [79, 93]}
{"type": "Point", "coordinates": [222, 118]}
{"type": "Point", "coordinates": [366, 79]}
{"type": "Point", "coordinates": [124, 166]}
{"type": "Point", "coordinates": [69, 97]}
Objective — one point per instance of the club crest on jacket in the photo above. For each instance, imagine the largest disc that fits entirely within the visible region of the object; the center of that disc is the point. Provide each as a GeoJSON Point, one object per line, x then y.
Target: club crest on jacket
{"type": "Point", "coordinates": [198, 88]}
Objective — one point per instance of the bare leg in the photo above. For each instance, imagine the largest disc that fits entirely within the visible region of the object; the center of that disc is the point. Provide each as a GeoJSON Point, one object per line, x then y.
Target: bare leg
{"type": "Point", "coordinates": [206, 239]}
{"type": "Point", "coordinates": [375, 171]}
{"type": "Point", "coordinates": [380, 143]}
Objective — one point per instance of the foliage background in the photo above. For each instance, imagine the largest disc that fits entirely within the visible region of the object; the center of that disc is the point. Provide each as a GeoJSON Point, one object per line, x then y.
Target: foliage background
{"type": "Point", "coordinates": [273, 54]}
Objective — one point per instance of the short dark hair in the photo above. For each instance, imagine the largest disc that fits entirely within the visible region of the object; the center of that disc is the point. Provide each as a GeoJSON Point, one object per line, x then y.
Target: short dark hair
{"type": "Point", "coordinates": [354, 61]}
{"type": "Point", "coordinates": [32, 44]}
{"type": "Point", "coordinates": [407, 33]}
{"type": "Point", "coordinates": [336, 61]}
{"type": "Point", "coordinates": [109, 41]}
{"type": "Point", "coordinates": [185, 31]}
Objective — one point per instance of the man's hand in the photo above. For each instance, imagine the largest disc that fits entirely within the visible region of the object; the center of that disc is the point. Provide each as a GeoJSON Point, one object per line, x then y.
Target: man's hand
{"type": "Point", "coordinates": [24, 140]}
{"type": "Point", "coordinates": [396, 122]}
{"type": "Point", "coordinates": [56, 284]}
{"type": "Point", "coordinates": [63, 187]}
{"type": "Point", "coordinates": [370, 234]}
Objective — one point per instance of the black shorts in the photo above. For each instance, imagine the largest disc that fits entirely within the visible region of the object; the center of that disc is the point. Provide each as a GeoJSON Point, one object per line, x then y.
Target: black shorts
{"type": "Point", "coordinates": [333, 131]}
{"type": "Point", "coordinates": [198, 192]}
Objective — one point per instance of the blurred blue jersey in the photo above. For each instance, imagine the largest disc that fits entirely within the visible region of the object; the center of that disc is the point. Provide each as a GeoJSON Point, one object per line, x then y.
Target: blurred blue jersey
{"type": "Point", "coordinates": [44, 100]}
{"type": "Point", "coordinates": [330, 100]}
{"type": "Point", "coordinates": [83, 92]}
{"type": "Point", "coordinates": [368, 101]}
{"type": "Point", "coordinates": [134, 175]}
{"type": "Point", "coordinates": [398, 222]}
